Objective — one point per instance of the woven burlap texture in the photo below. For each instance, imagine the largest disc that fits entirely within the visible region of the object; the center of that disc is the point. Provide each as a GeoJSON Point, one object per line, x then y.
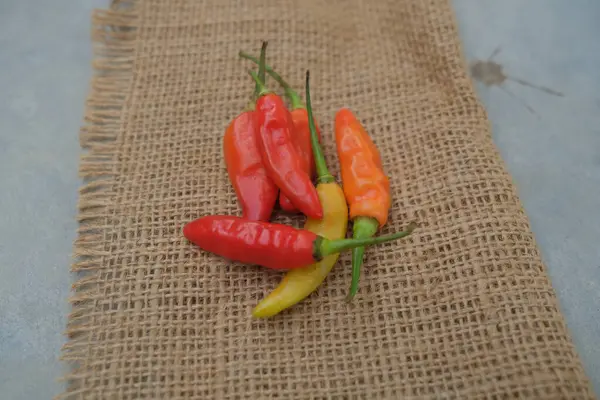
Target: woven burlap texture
{"type": "Point", "coordinates": [463, 309]}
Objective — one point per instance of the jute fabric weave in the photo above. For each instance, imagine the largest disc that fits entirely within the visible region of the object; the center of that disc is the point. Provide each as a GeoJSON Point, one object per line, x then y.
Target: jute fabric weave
{"type": "Point", "coordinates": [463, 309]}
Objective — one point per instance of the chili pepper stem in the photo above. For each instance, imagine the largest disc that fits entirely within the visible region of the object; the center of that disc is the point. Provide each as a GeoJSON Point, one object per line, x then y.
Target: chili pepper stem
{"type": "Point", "coordinates": [261, 65]}
{"type": "Point", "coordinates": [260, 88]}
{"type": "Point", "coordinates": [291, 94]}
{"type": "Point", "coordinates": [263, 90]}
{"type": "Point", "coordinates": [324, 247]}
{"type": "Point", "coordinates": [251, 106]}
{"type": "Point", "coordinates": [323, 175]}
{"type": "Point", "coordinates": [363, 227]}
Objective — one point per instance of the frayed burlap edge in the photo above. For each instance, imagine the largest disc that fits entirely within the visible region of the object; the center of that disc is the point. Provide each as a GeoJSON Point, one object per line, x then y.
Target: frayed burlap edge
{"type": "Point", "coordinates": [114, 37]}
{"type": "Point", "coordinates": [114, 33]}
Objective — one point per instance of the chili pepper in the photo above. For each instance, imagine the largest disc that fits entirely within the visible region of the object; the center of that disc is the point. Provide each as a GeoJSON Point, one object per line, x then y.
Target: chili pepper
{"type": "Point", "coordinates": [366, 187]}
{"type": "Point", "coordinates": [274, 246]}
{"type": "Point", "coordinates": [299, 283]}
{"type": "Point", "coordinates": [256, 192]}
{"type": "Point", "coordinates": [279, 155]}
{"type": "Point", "coordinates": [301, 137]}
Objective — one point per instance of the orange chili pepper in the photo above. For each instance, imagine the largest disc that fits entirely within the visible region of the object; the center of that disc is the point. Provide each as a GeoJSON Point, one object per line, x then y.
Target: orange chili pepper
{"type": "Point", "coordinates": [366, 187]}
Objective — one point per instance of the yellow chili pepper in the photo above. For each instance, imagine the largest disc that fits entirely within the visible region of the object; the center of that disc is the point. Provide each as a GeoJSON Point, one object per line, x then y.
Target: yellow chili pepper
{"type": "Point", "coordinates": [299, 283]}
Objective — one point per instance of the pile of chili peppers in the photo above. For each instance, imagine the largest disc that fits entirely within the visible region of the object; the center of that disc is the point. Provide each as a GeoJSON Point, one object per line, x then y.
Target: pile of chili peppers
{"type": "Point", "coordinates": [273, 153]}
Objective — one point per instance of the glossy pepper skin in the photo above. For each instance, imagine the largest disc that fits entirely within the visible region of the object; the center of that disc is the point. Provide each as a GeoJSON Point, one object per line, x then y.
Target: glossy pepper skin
{"type": "Point", "coordinates": [280, 157]}
{"type": "Point", "coordinates": [302, 142]}
{"type": "Point", "coordinates": [256, 192]}
{"type": "Point", "coordinates": [301, 138]}
{"type": "Point", "coordinates": [274, 246]}
{"type": "Point", "coordinates": [299, 284]}
{"type": "Point", "coordinates": [366, 186]}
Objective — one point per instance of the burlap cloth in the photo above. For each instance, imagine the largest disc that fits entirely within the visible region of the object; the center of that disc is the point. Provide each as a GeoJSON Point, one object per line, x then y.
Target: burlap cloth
{"type": "Point", "coordinates": [462, 309]}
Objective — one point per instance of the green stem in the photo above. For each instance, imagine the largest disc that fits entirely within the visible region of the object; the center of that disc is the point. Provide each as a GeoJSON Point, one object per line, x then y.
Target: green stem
{"type": "Point", "coordinates": [325, 247]}
{"type": "Point", "coordinates": [323, 175]}
{"type": "Point", "coordinates": [261, 71]}
{"type": "Point", "coordinates": [364, 227]}
{"type": "Point", "coordinates": [290, 93]}
{"type": "Point", "coordinates": [263, 62]}
{"type": "Point", "coordinates": [261, 89]}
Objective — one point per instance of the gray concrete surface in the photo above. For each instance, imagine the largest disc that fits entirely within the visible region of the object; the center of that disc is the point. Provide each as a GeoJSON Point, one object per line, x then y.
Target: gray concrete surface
{"type": "Point", "coordinates": [549, 138]}
{"type": "Point", "coordinates": [45, 68]}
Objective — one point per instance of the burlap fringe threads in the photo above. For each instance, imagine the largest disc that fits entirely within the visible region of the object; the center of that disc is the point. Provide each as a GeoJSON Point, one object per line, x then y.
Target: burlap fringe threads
{"type": "Point", "coordinates": [113, 35]}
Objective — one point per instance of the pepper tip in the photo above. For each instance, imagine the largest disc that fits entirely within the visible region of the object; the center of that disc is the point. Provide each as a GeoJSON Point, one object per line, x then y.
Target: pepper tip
{"type": "Point", "coordinates": [186, 231]}
{"type": "Point", "coordinates": [259, 312]}
{"type": "Point", "coordinates": [344, 114]}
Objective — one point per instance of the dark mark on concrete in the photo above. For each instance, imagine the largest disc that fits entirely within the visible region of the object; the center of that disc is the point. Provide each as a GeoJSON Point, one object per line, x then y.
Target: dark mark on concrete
{"type": "Point", "coordinates": [488, 72]}
{"type": "Point", "coordinates": [491, 73]}
{"type": "Point", "coordinates": [542, 88]}
{"type": "Point", "coordinates": [514, 96]}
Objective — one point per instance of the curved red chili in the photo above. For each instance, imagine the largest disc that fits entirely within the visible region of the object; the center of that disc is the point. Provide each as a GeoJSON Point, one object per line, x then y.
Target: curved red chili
{"type": "Point", "coordinates": [303, 146]}
{"type": "Point", "coordinates": [273, 246]}
{"type": "Point", "coordinates": [280, 158]}
{"type": "Point", "coordinates": [256, 192]}
{"type": "Point", "coordinates": [301, 130]}
{"type": "Point", "coordinates": [283, 161]}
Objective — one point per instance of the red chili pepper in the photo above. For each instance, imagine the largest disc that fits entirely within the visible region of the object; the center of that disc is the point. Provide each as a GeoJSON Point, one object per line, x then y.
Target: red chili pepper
{"type": "Point", "coordinates": [301, 137]}
{"type": "Point", "coordinates": [302, 142]}
{"type": "Point", "coordinates": [274, 246]}
{"type": "Point", "coordinates": [256, 192]}
{"type": "Point", "coordinates": [284, 164]}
